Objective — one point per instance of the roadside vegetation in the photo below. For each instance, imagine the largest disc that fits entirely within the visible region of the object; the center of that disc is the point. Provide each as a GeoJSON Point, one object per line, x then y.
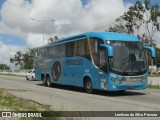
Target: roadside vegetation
{"type": "Point", "coordinates": [154, 75]}
{"type": "Point", "coordinates": [9, 102]}
{"type": "Point", "coordinates": [153, 86]}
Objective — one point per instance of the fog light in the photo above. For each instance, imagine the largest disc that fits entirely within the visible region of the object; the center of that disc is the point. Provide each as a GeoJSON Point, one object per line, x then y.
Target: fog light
{"type": "Point", "coordinates": [114, 86]}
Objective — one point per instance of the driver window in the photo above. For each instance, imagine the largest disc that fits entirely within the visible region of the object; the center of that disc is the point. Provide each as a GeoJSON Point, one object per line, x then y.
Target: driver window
{"type": "Point", "coordinates": [98, 53]}
{"type": "Point", "coordinates": [103, 64]}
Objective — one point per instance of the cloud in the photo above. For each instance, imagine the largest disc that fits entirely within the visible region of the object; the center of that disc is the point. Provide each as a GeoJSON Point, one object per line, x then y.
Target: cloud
{"type": "Point", "coordinates": [157, 38]}
{"type": "Point", "coordinates": [8, 51]}
{"type": "Point", "coordinates": [70, 15]}
{"type": "Point", "coordinates": [34, 40]}
{"type": "Point", "coordinates": [5, 29]}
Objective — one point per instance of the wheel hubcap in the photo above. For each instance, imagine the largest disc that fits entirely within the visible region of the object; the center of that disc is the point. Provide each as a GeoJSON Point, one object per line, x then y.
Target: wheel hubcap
{"type": "Point", "coordinates": [48, 82]}
{"type": "Point", "coordinates": [88, 85]}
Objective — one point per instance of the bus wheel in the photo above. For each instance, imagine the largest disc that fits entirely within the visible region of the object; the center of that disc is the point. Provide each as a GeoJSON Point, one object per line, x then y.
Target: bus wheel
{"type": "Point", "coordinates": [88, 85]}
{"type": "Point", "coordinates": [44, 81]}
{"type": "Point", "coordinates": [48, 81]}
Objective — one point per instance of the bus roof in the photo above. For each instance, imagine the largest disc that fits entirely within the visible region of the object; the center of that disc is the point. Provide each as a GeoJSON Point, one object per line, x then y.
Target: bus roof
{"type": "Point", "coordinates": [105, 36]}
{"type": "Point", "coordinates": [113, 36]}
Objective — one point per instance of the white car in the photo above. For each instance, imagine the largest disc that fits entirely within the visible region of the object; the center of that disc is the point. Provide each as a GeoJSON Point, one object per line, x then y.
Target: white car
{"type": "Point", "coordinates": [30, 75]}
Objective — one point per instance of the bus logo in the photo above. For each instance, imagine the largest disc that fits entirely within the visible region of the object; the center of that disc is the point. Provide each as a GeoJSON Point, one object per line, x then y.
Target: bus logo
{"type": "Point", "coordinates": [56, 71]}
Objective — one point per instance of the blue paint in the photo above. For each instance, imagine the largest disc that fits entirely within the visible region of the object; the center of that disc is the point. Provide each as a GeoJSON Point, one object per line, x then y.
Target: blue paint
{"type": "Point", "coordinates": [153, 51]}
{"type": "Point", "coordinates": [74, 73]}
{"type": "Point", "coordinates": [109, 48]}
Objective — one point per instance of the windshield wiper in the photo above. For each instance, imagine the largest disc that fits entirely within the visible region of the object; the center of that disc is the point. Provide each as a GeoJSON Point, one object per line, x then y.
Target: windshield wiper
{"type": "Point", "coordinates": [124, 69]}
{"type": "Point", "coordinates": [138, 67]}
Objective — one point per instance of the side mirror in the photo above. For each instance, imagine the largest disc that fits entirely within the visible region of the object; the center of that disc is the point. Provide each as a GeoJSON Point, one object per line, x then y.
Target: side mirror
{"type": "Point", "coordinates": [110, 49]}
{"type": "Point", "coordinates": [153, 52]}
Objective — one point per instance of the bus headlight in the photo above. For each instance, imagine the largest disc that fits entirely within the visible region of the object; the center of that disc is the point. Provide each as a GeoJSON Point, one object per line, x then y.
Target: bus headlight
{"type": "Point", "coordinates": [115, 80]}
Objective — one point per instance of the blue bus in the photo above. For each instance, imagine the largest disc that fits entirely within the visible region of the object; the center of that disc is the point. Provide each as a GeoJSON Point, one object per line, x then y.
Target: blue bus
{"type": "Point", "coordinates": [94, 60]}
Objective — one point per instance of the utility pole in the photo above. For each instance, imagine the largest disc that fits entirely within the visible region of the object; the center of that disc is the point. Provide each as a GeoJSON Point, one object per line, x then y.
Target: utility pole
{"type": "Point", "coordinates": [43, 23]}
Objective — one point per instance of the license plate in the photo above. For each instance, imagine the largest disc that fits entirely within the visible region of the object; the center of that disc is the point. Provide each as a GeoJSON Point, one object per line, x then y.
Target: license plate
{"type": "Point", "coordinates": [132, 87]}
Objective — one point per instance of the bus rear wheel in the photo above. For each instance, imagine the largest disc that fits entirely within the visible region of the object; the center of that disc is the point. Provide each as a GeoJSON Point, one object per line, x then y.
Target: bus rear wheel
{"type": "Point", "coordinates": [44, 81]}
{"type": "Point", "coordinates": [48, 81]}
{"type": "Point", "coordinates": [88, 85]}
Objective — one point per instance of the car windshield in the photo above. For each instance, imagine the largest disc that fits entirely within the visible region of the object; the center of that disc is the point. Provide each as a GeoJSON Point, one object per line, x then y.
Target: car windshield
{"type": "Point", "coordinates": [128, 58]}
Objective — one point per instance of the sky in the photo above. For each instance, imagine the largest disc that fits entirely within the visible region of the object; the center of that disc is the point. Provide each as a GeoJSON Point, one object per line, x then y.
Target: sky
{"type": "Point", "coordinates": [19, 32]}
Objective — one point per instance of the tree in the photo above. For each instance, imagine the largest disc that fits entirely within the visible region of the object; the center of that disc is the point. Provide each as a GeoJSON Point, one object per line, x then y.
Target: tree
{"type": "Point", "coordinates": [4, 67]}
{"type": "Point", "coordinates": [119, 27]}
{"type": "Point", "coordinates": [24, 60]}
{"type": "Point", "coordinates": [140, 17]}
{"type": "Point", "coordinates": [50, 40]}
{"type": "Point", "coordinates": [18, 59]}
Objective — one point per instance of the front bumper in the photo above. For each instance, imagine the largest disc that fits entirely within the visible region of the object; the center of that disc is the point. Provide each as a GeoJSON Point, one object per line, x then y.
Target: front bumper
{"type": "Point", "coordinates": [112, 86]}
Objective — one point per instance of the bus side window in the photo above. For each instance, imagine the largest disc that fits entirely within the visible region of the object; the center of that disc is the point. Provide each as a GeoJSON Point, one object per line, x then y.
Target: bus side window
{"type": "Point", "coordinates": [61, 50]}
{"type": "Point", "coordinates": [50, 52]}
{"type": "Point", "coordinates": [70, 49]}
{"type": "Point", "coordinates": [45, 54]}
{"type": "Point", "coordinates": [39, 54]}
{"type": "Point", "coordinates": [54, 51]}
{"type": "Point", "coordinates": [81, 48]}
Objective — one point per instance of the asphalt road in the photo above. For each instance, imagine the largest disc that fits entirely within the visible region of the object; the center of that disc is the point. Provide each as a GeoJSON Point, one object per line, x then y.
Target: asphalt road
{"type": "Point", "coordinates": [66, 98]}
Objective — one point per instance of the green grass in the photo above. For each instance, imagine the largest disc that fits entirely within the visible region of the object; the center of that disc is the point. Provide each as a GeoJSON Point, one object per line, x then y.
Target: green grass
{"type": "Point", "coordinates": [154, 75]}
{"type": "Point", "coordinates": [154, 86]}
{"type": "Point", "coordinates": [12, 103]}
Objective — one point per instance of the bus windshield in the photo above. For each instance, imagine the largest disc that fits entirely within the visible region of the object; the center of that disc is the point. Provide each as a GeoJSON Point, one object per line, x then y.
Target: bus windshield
{"type": "Point", "coordinates": [128, 58]}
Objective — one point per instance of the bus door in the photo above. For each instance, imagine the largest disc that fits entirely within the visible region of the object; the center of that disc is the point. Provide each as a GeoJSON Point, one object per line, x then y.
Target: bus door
{"type": "Point", "coordinates": [99, 61]}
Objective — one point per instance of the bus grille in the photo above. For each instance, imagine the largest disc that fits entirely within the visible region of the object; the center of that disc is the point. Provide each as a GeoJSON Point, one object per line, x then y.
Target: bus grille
{"type": "Point", "coordinates": [133, 80]}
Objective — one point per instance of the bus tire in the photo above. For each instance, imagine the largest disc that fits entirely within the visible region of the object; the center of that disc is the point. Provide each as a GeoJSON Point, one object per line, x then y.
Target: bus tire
{"type": "Point", "coordinates": [48, 80]}
{"type": "Point", "coordinates": [88, 85]}
{"type": "Point", "coordinates": [44, 82]}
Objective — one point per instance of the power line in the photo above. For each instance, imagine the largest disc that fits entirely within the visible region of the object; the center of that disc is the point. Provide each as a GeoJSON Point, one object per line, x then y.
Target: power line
{"type": "Point", "coordinates": [43, 22]}
{"type": "Point", "coordinates": [104, 26]}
